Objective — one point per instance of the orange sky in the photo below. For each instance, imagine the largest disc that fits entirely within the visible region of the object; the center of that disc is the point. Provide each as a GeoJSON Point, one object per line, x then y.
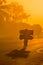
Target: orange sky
{"type": "Point", "coordinates": [33, 7]}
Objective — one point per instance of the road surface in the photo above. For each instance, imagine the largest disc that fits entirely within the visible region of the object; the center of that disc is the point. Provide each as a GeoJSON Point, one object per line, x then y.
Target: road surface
{"type": "Point", "coordinates": [35, 56]}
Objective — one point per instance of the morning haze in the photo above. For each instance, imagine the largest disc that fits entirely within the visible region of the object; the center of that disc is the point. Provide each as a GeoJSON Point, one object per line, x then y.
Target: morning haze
{"type": "Point", "coordinates": [21, 33]}
{"type": "Point", "coordinates": [33, 7]}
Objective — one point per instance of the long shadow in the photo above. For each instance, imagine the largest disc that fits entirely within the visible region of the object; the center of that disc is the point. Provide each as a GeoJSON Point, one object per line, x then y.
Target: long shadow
{"type": "Point", "coordinates": [18, 54]}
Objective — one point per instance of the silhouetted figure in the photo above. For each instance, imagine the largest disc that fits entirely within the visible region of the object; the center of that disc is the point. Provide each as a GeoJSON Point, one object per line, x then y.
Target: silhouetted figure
{"type": "Point", "coordinates": [26, 35]}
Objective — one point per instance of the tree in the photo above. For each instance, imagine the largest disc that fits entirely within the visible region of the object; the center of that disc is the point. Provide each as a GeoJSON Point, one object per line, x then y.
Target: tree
{"type": "Point", "coordinates": [17, 12]}
{"type": "Point", "coordinates": [4, 15]}
{"type": "Point", "coordinates": [37, 30]}
{"type": "Point", "coordinates": [2, 1]}
{"type": "Point", "coordinates": [12, 12]}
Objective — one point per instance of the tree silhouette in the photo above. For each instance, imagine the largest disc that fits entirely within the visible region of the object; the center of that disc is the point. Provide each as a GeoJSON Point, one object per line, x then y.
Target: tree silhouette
{"type": "Point", "coordinates": [12, 12]}
{"type": "Point", "coordinates": [17, 12]}
{"type": "Point", "coordinates": [4, 15]}
{"type": "Point", "coordinates": [2, 1]}
{"type": "Point", "coordinates": [37, 30]}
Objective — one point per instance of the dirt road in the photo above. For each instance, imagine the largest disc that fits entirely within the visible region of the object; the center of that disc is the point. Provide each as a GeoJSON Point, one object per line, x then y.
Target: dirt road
{"type": "Point", "coordinates": [35, 57]}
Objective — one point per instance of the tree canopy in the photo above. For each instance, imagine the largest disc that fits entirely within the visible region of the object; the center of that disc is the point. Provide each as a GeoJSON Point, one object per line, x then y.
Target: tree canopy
{"type": "Point", "coordinates": [17, 12]}
{"type": "Point", "coordinates": [37, 30]}
{"type": "Point", "coordinates": [12, 12]}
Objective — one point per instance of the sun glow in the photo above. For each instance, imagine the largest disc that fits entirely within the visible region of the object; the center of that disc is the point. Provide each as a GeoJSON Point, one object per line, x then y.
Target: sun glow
{"type": "Point", "coordinates": [33, 7]}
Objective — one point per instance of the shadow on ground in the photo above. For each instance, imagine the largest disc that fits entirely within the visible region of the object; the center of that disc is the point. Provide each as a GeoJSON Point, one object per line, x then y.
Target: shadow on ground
{"type": "Point", "coordinates": [18, 54]}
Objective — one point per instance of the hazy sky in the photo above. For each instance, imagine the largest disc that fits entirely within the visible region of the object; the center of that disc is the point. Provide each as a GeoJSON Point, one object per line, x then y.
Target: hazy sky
{"type": "Point", "coordinates": [34, 8]}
